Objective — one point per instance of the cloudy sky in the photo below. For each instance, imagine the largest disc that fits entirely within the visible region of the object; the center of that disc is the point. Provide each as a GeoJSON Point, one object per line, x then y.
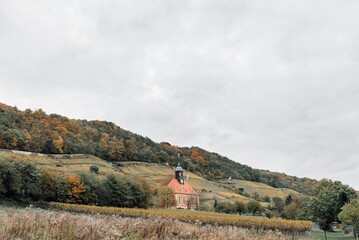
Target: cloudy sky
{"type": "Point", "coordinates": [271, 84]}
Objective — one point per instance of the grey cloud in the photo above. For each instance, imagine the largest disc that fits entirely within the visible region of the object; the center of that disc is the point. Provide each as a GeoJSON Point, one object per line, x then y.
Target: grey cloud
{"type": "Point", "coordinates": [269, 84]}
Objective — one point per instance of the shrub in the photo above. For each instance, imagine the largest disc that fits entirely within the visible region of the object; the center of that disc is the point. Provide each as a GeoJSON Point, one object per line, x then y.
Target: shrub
{"type": "Point", "coordinates": [94, 169]}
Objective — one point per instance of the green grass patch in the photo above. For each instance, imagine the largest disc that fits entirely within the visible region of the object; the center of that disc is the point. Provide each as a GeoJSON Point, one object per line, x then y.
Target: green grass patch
{"type": "Point", "coordinates": [337, 235]}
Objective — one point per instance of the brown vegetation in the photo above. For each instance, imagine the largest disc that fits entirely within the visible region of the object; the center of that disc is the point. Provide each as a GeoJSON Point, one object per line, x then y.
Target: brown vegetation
{"type": "Point", "coordinates": [41, 224]}
{"type": "Point", "coordinates": [288, 226]}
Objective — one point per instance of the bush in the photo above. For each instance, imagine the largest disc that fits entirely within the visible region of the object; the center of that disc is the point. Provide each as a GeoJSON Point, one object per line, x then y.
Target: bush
{"type": "Point", "coordinates": [94, 169]}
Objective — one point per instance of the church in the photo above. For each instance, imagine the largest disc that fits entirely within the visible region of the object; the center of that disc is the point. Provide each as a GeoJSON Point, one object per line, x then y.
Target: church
{"type": "Point", "coordinates": [186, 197]}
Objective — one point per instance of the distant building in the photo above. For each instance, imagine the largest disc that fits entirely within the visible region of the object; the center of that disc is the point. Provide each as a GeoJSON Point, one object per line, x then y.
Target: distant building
{"type": "Point", "coordinates": [186, 197]}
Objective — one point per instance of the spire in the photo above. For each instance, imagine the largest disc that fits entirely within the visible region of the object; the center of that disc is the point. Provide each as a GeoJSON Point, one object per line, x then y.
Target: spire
{"type": "Point", "coordinates": [178, 168]}
{"type": "Point", "coordinates": [179, 172]}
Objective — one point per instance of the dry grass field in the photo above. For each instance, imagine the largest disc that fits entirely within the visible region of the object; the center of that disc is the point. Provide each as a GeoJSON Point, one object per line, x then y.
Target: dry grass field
{"type": "Point", "coordinates": [30, 223]}
{"type": "Point", "coordinates": [33, 223]}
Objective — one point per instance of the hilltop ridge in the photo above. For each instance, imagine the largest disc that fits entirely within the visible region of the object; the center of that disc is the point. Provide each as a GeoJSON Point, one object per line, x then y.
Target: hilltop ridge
{"type": "Point", "coordinates": [39, 132]}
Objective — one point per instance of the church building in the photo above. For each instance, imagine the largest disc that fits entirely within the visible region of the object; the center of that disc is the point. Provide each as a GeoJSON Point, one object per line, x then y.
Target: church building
{"type": "Point", "coordinates": [186, 197]}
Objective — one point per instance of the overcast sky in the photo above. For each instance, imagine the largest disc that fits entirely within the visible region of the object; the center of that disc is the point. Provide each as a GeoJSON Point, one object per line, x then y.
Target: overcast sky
{"type": "Point", "coordinates": [270, 84]}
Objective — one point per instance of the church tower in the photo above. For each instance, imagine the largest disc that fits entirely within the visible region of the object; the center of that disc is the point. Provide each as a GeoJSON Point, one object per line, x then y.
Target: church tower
{"type": "Point", "coordinates": [179, 174]}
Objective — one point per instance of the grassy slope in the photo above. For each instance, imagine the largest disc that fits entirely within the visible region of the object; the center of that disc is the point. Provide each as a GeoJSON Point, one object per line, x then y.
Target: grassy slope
{"type": "Point", "coordinates": [209, 191]}
{"type": "Point", "coordinates": [157, 173]}
{"type": "Point", "coordinates": [154, 173]}
{"type": "Point", "coordinates": [255, 187]}
{"type": "Point", "coordinates": [75, 164]}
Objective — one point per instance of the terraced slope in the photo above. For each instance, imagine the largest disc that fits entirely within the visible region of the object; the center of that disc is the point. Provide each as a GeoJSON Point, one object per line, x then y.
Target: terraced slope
{"type": "Point", "coordinates": [221, 190]}
{"type": "Point", "coordinates": [156, 173]}
{"type": "Point", "coordinates": [252, 188]}
{"type": "Point", "coordinates": [67, 164]}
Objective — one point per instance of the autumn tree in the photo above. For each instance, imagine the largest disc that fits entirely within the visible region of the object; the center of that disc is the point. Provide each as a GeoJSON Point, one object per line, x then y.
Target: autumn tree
{"type": "Point", "coordinates": [102, 147]}
{"type": "Point", "coordinates": [165, 197]}
{"type": "Point", "coordinates": [75, 189]}
{"type": "Point", "coordinates": [116, 149]}
{"type": "Point", "coordinates": [198, 157]}
{"type": "Point", "coordinates": [58, 144]}
{"type": "Point", "coordinates": [131, 151]}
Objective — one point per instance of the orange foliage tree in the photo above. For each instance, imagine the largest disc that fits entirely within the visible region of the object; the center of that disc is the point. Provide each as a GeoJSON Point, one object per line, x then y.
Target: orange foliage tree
{"type": "Point", "coordinates": [198, 157]}
{"type": "Point", "coordinates": [75, 189]}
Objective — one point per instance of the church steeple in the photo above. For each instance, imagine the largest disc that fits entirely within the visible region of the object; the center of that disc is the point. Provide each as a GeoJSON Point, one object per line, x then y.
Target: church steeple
{"type": "Point", "coordinates": [179, 174]}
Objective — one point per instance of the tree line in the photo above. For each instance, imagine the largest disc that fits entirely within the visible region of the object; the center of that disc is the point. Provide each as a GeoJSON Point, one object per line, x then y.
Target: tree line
{"type": "Point", "coordinates": [37, 131]}
{"type": "Point", "coordinates": [24, 183]}
{"type": "Point", "coordinates": [329, 201]}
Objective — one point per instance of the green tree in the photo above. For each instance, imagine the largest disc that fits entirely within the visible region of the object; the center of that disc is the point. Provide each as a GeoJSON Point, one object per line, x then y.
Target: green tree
{"type": "Point", "coordinates": [118, 191]}
{"type": "Point", "coordinates": [92, 185]}
{"type": "Point", "coordinates": [11, 180]}
{"type": "Point", "coordinates": [278, 204]}
{"type": "Point", "coordinates": [350, 216]}
{"type": "Point", "coordinates": [147, 193]}
{"type": "Point", "coordinates": [256, 196]}
{"type": "Point", "coordinates": [266, 198]}
{"type": "Point", "coordinates": [288, 199]}
{"type": "Point", "coordinates": [254, 207]}
{"type": "Point", "coordinates": [49, 147]}
{"type": "Point", "coordinates": [240, 208]}
{"type": "Point", "coordinates": [94, 169]}
{"type": "Point", "coordinates": [291, 211]}
{"type": "Point", "coordinates": [54, 187]}
{"type": "Point", "coordinates": [326, 200]}
{"type": "Point", "coordinates": [226, 207]}
{"type": "Point", "coordinates": [31, 178]}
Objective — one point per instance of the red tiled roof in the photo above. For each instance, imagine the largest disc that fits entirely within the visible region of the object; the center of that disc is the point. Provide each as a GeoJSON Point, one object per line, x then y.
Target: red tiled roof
{"type": "Point", "coordinates": [184, 188]}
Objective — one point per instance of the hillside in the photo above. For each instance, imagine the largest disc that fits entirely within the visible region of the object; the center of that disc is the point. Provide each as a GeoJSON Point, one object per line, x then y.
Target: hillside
{"type": "Point", "coordinates": [252, 188]}
{"type": "Point", "coordinates": [209, 191]}
{"type": "Point", "coordinates": [66, 164]}
{"type": "Point", "coordinates": [154, 173]}
{"type": "Point", "coordinates": [39, 132]}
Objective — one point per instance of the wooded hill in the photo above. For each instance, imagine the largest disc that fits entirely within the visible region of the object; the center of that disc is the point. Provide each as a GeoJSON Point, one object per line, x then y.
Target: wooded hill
{"type": "Point", "coordinates": [37, 131]}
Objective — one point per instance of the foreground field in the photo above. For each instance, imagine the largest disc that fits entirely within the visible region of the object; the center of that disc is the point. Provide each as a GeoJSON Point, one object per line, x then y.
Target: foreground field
{"type": "Point", "coordinates": [286, 226]}
{"type": "Point", "coordinates": [32, 223]}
